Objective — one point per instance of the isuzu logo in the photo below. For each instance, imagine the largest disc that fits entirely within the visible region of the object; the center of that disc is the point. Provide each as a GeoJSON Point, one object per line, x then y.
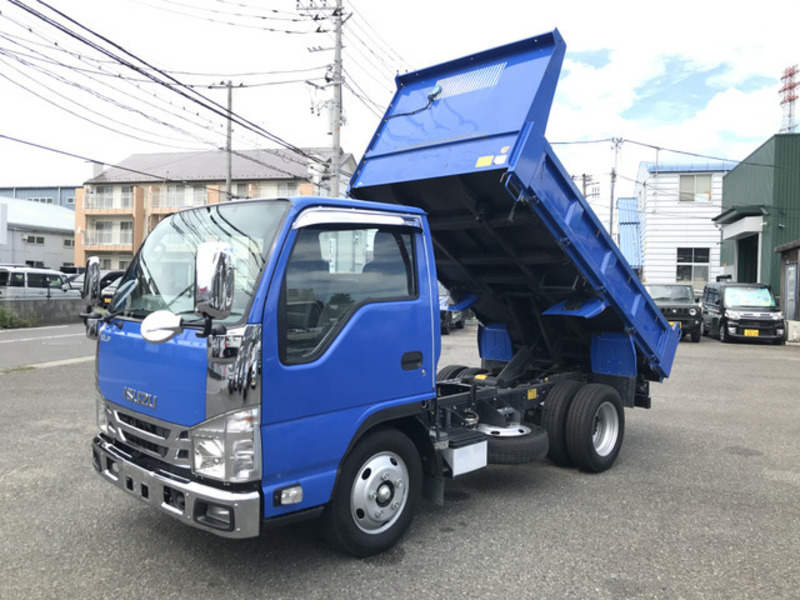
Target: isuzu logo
{"type": "Point", "coordinates": [140, 398]}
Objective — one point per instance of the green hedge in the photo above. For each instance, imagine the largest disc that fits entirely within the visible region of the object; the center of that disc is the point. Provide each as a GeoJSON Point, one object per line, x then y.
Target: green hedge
{"type": "Point", "coordinates": [8, 320]}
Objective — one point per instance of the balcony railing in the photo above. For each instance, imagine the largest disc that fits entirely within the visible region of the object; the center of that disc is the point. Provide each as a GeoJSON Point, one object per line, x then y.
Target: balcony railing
{"type": "Point", "coordinates": [108, 238]}
{"type": "Point", "coordinates": [109, 203]}
{"type": "Point", "coordinates": [175, 201]}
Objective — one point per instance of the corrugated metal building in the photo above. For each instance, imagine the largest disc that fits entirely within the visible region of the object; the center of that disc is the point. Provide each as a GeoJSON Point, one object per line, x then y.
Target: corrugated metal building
{"type": "Point", "coordinates": [761, 212]}
{"type": "Point", "coordinates": [676, 204]}
{"type": "Point", "coordinates": [630, 237]}
{"type": "Point", "coordinates": [38, 235]}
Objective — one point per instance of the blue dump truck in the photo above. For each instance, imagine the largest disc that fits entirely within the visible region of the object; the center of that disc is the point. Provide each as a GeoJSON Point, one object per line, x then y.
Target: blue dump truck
{"type": "Point", "coordinates": [266, 361]}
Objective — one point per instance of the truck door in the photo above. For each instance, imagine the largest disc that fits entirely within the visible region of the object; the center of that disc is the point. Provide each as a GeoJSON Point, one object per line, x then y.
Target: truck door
{"type": "Point", "coordinates": [353, 338]}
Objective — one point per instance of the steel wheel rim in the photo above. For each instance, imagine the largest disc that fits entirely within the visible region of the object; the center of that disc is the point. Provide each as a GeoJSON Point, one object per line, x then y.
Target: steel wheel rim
{"type": "Point", "coordinates": [380, 493]}
{"type": "Point", "coordinates": [605, 430]}
{"type": "Point", "coordinates": [512, 430]}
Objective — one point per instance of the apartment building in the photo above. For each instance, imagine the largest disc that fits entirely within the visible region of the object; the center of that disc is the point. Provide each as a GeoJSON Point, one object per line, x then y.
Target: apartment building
{"type": "Point", "coordinates": [119, 206]}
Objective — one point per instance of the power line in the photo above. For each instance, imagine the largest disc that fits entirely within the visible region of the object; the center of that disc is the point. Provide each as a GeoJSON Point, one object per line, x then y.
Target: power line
{"type": "Point", "coordinates": [150, 71]}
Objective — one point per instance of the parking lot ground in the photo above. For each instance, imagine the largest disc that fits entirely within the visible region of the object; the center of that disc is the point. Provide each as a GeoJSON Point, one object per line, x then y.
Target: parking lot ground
{"type": "Point", "coordinates": [702, 503]}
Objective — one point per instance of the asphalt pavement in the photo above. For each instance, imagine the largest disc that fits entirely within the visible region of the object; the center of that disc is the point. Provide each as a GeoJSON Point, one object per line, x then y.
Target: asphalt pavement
{"type": "Point", "coordinates": [702, 503]}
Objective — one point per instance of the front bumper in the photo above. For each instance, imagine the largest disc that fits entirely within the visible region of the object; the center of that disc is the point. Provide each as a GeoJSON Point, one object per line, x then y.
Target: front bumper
{"type": "Point", "coordinates": [756, 330]}
{"type": "Point", "coordinates": [686, 324]}
{"type": "Point", "coordinates": [224, 513]}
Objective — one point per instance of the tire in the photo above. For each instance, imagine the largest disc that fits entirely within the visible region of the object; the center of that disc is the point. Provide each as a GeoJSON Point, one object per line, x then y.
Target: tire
{"type": "Point", "coordinates": [450, 372]}
{"type": "Point", "coordinates": [375, 496]}
{"type": "Point", "coordinates": [554, 420]}
{"type": "Point", "coordinates": [515, 445]}
{"type": "Point", "coordinates": [696, 335]}
{"type": "Point", "coordinates": [703, 329]}
{"type": "Point", "coordinates": [471, 372]}
{"type": "Point", "coordinates": [595, 427]}
{"type": "Point", "coordinates": [461, 322]}
{"type": "Point", "coordinates": [723, 332]}
{"type": "Point", "coordinates": [446, 325]}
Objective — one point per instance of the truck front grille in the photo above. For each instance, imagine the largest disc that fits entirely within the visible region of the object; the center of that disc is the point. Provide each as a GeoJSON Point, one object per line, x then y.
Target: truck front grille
{"type": "Point", "coordinates": [149, 436]}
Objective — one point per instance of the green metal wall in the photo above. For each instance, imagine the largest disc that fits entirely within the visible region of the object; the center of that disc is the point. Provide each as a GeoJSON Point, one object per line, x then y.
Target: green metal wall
{"type": "Point", "coordinates": [769, 177]}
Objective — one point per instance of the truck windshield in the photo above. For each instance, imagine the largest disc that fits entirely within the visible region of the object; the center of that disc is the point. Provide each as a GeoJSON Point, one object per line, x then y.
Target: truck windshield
{"type": "Point", "coordinates": [749, 296]}
{"type": "Point", "coordinates": [161, 276]}
{"type": "Point", "coordinates": [671, 293]}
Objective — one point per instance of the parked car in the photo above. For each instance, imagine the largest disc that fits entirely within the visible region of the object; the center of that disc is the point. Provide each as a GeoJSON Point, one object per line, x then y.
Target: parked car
{"type": "Point", "coordinates": [449, 318]}
{"type": "Point", "coordinates": [677, 303]}
{"type": "Point", "coordinates": [742, 311]}
{"type": "Point", "coordinates": [106, 277]}
{"type": "Point", "coordinates": [107, 292]}
{"type": "Point", "coordinates": [31, 283]}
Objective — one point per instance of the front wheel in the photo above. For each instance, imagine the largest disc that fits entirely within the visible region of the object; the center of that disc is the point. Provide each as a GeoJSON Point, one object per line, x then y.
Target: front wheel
{"type": "Point", "coordinates": [595, 427]}
{"type": "Point", "coordinates": [696, 335]}
{"type": "Point", "coordinates": [723, 332]}
{"type": "Point", "coordinates": [376, 494]}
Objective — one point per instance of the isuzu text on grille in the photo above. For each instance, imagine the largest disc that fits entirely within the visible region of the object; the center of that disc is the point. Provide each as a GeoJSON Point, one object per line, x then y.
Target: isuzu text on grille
{"type": "Point", "coordinates": [141, 398]}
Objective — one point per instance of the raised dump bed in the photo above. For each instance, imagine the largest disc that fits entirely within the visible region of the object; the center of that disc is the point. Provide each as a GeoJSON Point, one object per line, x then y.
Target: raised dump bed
{"type": "Point", "coordinates": [465, 141]}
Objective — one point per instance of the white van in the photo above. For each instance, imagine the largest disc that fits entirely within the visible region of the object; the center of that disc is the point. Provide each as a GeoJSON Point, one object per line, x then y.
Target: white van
{"type": "Point", "coordinates": [30, 283]}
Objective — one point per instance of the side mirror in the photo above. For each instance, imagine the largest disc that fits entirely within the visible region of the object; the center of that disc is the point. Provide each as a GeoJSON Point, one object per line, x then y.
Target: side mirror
{"type": "Point", "coordinates": [91, 281]}
{"type": "Point", "coordinates": [213, 280]}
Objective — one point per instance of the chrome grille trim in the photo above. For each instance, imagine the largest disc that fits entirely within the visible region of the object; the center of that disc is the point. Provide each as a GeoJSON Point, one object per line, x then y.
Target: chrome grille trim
{"type": "Point", "coordinates": [150, 436]}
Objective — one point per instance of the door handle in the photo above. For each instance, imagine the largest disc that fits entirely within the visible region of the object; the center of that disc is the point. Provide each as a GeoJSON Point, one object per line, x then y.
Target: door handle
{"type": "Point", "coordinates": [411, 360]}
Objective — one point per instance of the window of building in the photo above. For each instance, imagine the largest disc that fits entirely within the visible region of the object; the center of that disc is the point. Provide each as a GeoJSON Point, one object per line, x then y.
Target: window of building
{"type": "Point", "coordinates": [37, 240]}
{"type": "Point", "coordinates": [199, 193]}
{"type": "Point", "coordinates": [71, 200]}
{"type": "Point", "coordinates": [695, 188]}
{"type": "Point", "coordinates": [693, 265]}
{"type": "Point", "coordinates": [126, 232]}
{"type": "Point", "coordinates": [328, 277]}
{"type": "Point", "coordinates": [41, 200]}
{"type": "Point", "coordinates": [69, 242]}
{"type": "Point", "coordinates": [105, 264]}
{"type": "Point", "coordinates": [127, 196]}
{"type": "Point", "coordinates": [123, 264]}
{"type": "Point", "coordinates": [102, 233]}
{"type": "Point", "coordinates": [287, 188]}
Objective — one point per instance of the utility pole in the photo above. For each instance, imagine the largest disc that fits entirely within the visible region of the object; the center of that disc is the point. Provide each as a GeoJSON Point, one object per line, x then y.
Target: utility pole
{"type": "Point", "coordinates": [336, 109]}
{"type": "Point", "coordinates": [617, 143]}
{"type": "Point", "coordinates": [228, 147]}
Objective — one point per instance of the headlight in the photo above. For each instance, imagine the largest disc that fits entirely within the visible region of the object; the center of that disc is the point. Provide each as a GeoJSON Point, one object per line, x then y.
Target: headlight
{"type": "Point", "coordinates": [732, 314]}
{"type": "Point", "coordinates": [692, 312]}
{"type": "Point", "coordinates": [228, 447]}
{"type": "Point", "coordinates": [100, 408]}
{"type": "Point", "coordinates": [778, 316]}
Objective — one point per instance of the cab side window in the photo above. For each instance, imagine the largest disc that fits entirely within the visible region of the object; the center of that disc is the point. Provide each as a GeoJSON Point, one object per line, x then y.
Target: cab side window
{"type": "Point", "coordinates": [333, 271]}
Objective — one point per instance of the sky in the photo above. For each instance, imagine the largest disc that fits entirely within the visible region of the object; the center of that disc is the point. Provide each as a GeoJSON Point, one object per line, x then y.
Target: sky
{"type": "Point", "coordinates": [701, 78]}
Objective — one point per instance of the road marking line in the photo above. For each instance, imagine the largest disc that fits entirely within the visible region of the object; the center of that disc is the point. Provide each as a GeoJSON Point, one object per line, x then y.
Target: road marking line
{"type": "Point", "coordinates": [33, 328]}
{"type": "Point", "coordinates": [46, 337]}
{"type": "Point", "coordinates": [45, 365]}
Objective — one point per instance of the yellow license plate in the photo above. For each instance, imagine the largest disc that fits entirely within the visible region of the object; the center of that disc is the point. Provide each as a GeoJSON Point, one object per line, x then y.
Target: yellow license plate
{"type": "Point", "coordinates": [751, 333]}
{"type": "Point", "coordinates": [672, 324]}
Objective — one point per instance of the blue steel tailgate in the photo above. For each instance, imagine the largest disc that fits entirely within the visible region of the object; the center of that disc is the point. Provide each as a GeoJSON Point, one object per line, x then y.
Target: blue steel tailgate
{"type": "Point", "coordinates": [464, 141]}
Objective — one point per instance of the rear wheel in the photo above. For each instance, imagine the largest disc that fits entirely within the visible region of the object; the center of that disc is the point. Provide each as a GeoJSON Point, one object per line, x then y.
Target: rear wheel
{"type": "Point", "coordinates": [595, 427]}
{"type": "Point", "coordinates": [554, 419]}
{"type": "Point", "coordinates": [450, 372]}
{"type": "Point", "coordinates": [376, 494]}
